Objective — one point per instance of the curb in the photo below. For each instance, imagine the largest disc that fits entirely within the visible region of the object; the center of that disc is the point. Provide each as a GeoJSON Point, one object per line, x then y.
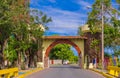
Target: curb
{"type": "Point", "coordinates": [102, 73]}
{"type": "Point", "coordinates": [29, 72]}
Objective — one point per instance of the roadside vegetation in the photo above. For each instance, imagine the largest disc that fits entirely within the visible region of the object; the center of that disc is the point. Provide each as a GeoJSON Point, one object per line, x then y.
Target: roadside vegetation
{"type": "Point", "coordinates": [111, 15]}
{"type": "Point", "coordinates": [63, 52]}
{"type": "Point", "coordinates": [21, 29]}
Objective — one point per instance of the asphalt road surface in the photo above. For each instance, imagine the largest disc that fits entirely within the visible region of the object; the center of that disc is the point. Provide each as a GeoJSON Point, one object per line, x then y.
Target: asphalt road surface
{"type": "Point", "coordinates": [65, 71]}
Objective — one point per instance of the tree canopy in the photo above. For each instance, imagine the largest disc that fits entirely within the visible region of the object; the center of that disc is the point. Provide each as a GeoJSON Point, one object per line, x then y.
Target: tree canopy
{"type": "Point", "coordinates": [21, 30]}
{"type": "Point", "coordinates": [111, 16]}
{"type": "Point", "coordinates": [63, 52]}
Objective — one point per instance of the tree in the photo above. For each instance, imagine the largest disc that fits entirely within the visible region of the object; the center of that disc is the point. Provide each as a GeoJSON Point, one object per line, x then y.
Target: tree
{"type": "Point", "coordinates": [15, 20]}
{"type": "Point", "coordinates": [73, 59]}
{"type": "Point", "coordinates": [80, 32]}
{"type": "Point", "coordinates": [6, 27]}
{"type": "Point", "coordinates": [37, 28]}
{"type": "Point", "coordinates": [107, 55]}
{"type": "Point", "coordinates": [111, 25]}
{"type": "Point", "coordinates": [63, 52]}
{"type": "Point", "coordinates": [10, 52]}
{"type": "Point", "coordinates": [111, 22]}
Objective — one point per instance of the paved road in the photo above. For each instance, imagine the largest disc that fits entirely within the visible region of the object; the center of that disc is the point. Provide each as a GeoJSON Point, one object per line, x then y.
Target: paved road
{"type": "Point", "coordinates": [65, 71]}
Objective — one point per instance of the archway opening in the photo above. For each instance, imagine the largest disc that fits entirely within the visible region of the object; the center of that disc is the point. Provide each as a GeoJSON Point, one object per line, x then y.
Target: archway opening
{"type": "Point", "coordinates": [63, 54]}
{"type": "Point", "coordinates": [62, 42]}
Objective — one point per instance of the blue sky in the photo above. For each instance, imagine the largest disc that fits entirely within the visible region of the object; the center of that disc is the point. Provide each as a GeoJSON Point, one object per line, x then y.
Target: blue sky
{"type": "Point", "coordinates": [67, 15]}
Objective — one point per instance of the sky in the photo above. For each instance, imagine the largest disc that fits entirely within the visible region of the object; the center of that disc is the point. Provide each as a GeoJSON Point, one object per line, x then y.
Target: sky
{"type": "Point", "coordinates": [67, 15]}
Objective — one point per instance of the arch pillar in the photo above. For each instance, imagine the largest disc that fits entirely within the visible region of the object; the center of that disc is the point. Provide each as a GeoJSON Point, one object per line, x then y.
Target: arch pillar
{"type": "Point", "coordinates": [46, 62]}
{"type": "Point", "coordinates": [80, 61]}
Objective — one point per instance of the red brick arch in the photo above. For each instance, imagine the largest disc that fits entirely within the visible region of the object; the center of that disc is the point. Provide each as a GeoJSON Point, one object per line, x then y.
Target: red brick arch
{"type": "Point", "coordinates": [62, 41]}
{"type": "Point", "coordinates": [59, 41]}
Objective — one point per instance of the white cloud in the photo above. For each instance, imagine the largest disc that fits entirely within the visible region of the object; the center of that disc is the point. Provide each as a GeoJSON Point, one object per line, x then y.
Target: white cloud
{"type": "Point", "coordinates": [52, 10]}
{"type": "Point", "coordinates": [84, 4]}
{"type": "Point", "coordinates": [64, 21]}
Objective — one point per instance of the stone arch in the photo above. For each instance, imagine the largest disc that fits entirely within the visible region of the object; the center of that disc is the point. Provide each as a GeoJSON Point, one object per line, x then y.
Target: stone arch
{"type": "Point", "coordinates": [60, 41]}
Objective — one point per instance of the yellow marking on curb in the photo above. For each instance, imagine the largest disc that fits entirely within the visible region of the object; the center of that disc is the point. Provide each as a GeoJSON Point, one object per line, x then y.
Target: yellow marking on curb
{"type": "Point", "coordinates": [104, 74]}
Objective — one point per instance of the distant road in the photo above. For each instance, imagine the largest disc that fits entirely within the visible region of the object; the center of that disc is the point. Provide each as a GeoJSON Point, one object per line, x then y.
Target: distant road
{"type": "Point", "coordinates": [65, 71]}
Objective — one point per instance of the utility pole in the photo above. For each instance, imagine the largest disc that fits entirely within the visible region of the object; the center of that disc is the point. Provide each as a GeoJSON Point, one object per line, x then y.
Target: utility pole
{"type": "Point", "coordinates": [102, 36]}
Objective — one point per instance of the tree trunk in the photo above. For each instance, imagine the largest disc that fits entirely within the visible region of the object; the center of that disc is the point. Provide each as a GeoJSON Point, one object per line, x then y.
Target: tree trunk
{"type": "Point", "coordinates": [27, 62]}
{"type": "Point", "coordinates": [62, 61]}
{"type": "Point", "coordinates": [1, 54]}
{"type": "Point", "coordinates": [39, 53]}
{"type": "Point", "coordinates": [1, 57]}
{"type": "Point", "coordinates": [19, 59]}
{"type": "Point", "coordinates": [31, 59]}
{"type": "Point", "coordinates": [26, 59]}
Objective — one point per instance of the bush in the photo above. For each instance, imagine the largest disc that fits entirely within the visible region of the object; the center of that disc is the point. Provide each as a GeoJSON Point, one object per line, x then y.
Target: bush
{"type": "Point", "coordinates": [23, 66]}
{"type": "Point", "coordinates": [119, 64]}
